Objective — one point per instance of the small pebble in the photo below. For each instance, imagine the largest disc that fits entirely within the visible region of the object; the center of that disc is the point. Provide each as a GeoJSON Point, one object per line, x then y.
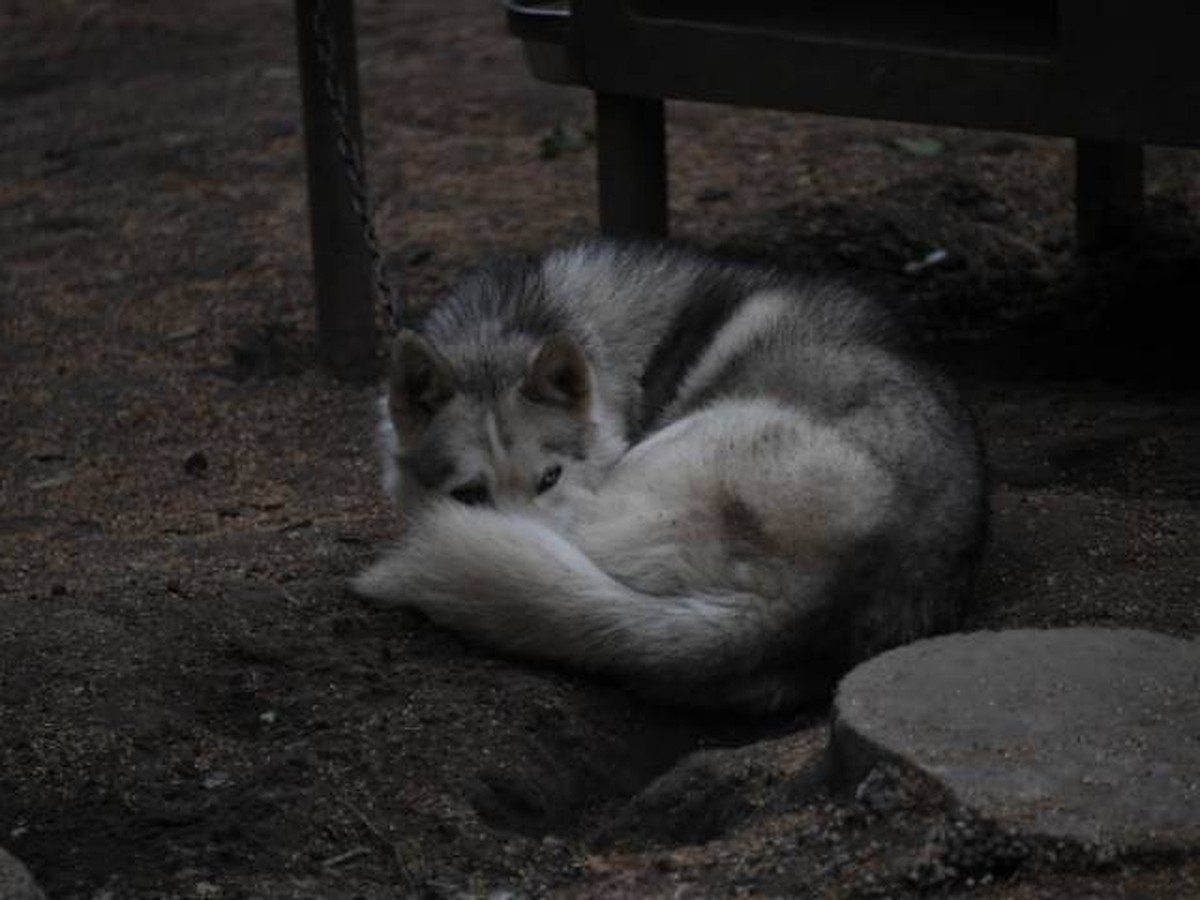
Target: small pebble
{"type": "Point", "coordinates": [196, 464]}
{"type": "Point", "coordinates": [713, 195]}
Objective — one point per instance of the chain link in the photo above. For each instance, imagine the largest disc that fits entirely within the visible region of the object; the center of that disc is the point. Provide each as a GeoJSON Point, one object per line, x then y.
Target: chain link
{"type": "Point", "coordinates": [351, 153]}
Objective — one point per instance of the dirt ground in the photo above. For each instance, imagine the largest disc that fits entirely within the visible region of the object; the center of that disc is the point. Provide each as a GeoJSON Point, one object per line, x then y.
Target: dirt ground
{"type": "Point", "coordinates": [190, 703]}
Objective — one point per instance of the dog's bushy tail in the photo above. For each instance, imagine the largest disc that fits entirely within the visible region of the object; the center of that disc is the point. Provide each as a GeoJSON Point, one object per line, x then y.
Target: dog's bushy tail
{"type": "Point", "coordinates": [511, 582]}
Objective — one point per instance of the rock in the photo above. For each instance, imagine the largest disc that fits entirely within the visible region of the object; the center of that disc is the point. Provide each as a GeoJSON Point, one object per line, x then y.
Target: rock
{"type": "Point", "coordinates": [15, 881]}
{"type": "Point", "coordinates": [196, 463]}
{"type": "Point", "coordinates": [1085, 734]}
{"type": "Point", "coordinates": [700, 798]}
{"type": "Point", "coordinates": [709, 793]}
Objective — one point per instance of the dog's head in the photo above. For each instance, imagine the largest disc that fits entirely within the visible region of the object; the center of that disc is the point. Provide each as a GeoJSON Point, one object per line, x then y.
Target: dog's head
{"type": "Point", "coordinates": [509, 422]}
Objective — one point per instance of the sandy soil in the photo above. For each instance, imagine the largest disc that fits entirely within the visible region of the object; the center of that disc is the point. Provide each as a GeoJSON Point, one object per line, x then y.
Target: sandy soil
{"type": "Point", "coordinates": [191, 705]}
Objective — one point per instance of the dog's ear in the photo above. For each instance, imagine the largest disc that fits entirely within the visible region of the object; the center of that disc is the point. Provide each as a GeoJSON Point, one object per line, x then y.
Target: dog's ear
{"type": "Point", "coordinates": [559, 374]}
{"type": "Point", "coordinates": [420, 383]}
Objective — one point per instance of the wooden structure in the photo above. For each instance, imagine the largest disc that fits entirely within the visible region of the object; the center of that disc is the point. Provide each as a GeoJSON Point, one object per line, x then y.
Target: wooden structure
{"type": "Point", "coordinates": [1111, 74]}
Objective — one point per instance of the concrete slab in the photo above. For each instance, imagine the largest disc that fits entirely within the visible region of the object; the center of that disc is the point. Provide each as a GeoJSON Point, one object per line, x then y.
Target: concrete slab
{"type": "Point", "coordinates": [1085, 734]}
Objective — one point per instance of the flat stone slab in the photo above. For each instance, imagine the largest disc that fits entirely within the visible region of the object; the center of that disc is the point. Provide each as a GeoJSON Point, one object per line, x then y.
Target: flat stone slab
{"type": "Point", "coordinates": [1085, 734]}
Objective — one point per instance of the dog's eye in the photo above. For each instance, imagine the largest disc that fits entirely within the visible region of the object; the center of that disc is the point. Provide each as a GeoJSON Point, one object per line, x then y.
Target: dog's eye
{"type": "Point", "coordinates": [472, 494]}
{"type": "Point", "coordinates": [549, 479]}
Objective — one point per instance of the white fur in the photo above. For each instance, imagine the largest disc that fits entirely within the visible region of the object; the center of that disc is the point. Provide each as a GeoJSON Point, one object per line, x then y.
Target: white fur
{"type": "Point", "coordinates": [516, 584]}
{"type": "Point", "coordinates": [648, 585]}
{"type": "Point", "coordinates": [387, 444]}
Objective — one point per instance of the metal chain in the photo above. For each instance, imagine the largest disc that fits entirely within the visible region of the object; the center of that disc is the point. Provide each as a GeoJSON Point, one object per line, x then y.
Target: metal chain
{"type": "Point", "coordinates": [351, 153]}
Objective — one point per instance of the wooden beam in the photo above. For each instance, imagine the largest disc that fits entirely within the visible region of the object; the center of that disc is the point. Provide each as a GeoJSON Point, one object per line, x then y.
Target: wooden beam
{"type": "Point", "coordinates": [631, 166]}
{"type": "Point", "coordinates": [1108, 193]}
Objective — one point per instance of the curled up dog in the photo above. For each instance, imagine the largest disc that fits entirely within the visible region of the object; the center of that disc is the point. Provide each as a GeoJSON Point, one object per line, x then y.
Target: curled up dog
{"type": "Point", "coordinates": [721, 485]}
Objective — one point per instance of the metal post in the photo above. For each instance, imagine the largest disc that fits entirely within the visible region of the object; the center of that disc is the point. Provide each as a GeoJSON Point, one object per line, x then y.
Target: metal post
{"type": "Point", "coordinates": [1108, 192]}
{"type": "Point", "coordinates": [631, 166]}
{"type": "Point", "coordinates": [347, 333]}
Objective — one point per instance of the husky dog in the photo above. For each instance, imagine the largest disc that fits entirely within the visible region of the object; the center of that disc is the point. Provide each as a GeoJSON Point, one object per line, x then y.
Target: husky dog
{"type": "Point", "coordinates": [722, 485]}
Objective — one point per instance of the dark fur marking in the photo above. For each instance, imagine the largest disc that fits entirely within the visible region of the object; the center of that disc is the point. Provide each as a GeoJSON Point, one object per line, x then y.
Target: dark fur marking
{"type": "Point", "coordinates": [507, 291]}
{"type": "Point", "coordinates": [740, 524]}
{"type": "Point", "coordinates": [734, 372]}
{"type": "Point", "coordinates": [572, 445]}
{"type": "Point", "coordinates": [427, 465]}
{"type": "Point", "coordinates": [718, 295]}
{"type": "Point", "coordinates": [494, 317]}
